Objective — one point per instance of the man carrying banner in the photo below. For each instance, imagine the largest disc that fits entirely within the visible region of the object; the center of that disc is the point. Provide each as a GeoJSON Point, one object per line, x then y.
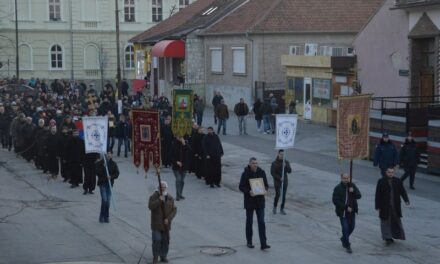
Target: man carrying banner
{"type": "Point", "coordinates": [104, 182]}
{"type": "Point", "coordinates": [276, 169]}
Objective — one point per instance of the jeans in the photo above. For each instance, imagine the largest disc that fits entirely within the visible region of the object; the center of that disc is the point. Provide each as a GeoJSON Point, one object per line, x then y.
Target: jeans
{"type": "Point", "coordinates": [199, 116]}
{"type": "Point", "coordinates": [272, 123]}
{"type": "Point", "coordinates": [261, 225]}
{"type": "Point", "coordinates": [180, 177]}
{"type": "Point", "coordinates": [347, 226]}
{"type": "Point", "coordinates": [266, 123]}
{"type": "Point", "coordinates": [221, 123]}
{"type": "Point", "coordinates": [110, 143]}
{"type": "Point", "coordinates": [106, 196]}
{"type": "Point", "coordinates": [258, 124]}
{"type": "Point", "coordinates": [242, 124]}
{"type": "Point", "coordinates": [278, 193]}
{"type": "Point", "coordinates": [160, 243]}
{"type": "Point", "coordinates": [125, 141]}
{"type": "Point", "coordinates": [411, 172]}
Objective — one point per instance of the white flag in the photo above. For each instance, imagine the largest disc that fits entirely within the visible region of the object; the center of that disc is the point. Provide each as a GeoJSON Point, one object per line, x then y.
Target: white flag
{"type": "Point", "coordinates": [95, 134]}
{"type": "Point", "coordinates": [286, 131]}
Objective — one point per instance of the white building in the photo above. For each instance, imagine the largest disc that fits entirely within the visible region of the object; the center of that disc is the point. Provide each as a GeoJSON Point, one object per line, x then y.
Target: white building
{"type": "Point", "coordinates": [76, 39]}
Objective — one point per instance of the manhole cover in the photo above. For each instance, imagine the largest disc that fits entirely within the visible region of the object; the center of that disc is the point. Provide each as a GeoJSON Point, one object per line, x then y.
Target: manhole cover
{"type": "Point", "coordinates": [217, 251]}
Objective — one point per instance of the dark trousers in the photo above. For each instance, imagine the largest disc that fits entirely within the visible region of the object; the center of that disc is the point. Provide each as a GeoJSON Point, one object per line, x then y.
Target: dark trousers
{"type": "Point", "coordinates": [106, 195]}
{"type": "Point", "coordinates": [110, 143]}
{"type": "Point", "coordinates": [76, 176]}
{"type": "Point", "coordinates": [411, 172]}
{"type": "Point", "coordinates": [125, 141]}
{"type": "Point", "coordinates": [277, 186]}
{"type": "Point", "coordinates": [89, 178]}
{"type": "Point", "coordinates": [180, 182]}
{"type": "Point", "coordinates": [213, 170]}
{"type": "Point", "coordinates": [261, 225]}
{"type": "Point", "coordinates": [65, 172]}
{"type": "Point", "coordinates": [221, 124]}
{"type": "Point", "coordinates": [4, 138]}
{"type": "Point", "coordinates": [347, 224]}
{"type": "Point", "coordinates": [160, 243]}
{"type": "Point", "coordinates": [199, 116]}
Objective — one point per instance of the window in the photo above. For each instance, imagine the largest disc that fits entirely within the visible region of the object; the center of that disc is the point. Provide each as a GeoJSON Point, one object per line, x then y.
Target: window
{"type": "Point", "coordinates": [129, 57]}
{"type": "Point", "coordinates": [90, 10]}
{"type": "Point", "coordinates": [427, 47]}
{"type": "Point", "coordinates": [325, 51]}
{"type": "Point", "coordinates": [129, 11]}
{"type": "Point", "coordinates": [297, 85]}
{"type": "Point", "coordinates": [183, 4]}
{"type": "Point", "coordinates": [157, 10]}
{"type": "Point", "coordinates": [54, 10]}
{"type": "Point", "coordinates": [296, 50]}
{"type": "Point", "coordinates": [25, 58]}
{"type": "Point", "coordinates": [56, 57]}
{"type": "Point", "coordinates": [337, 52]}
{"type": "Point", "coordinates": [239, 60]}
{"type": "Point", "coordinates": [91, 57]}
{"type": "Point", "coordinates": [321, 91]}
{"type": "Point", "coordinates": [216, 60]}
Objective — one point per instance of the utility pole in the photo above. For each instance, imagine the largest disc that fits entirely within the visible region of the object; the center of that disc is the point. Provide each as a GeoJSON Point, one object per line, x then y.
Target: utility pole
{"type": "Point", "coordinates": [17, 62]}
{"type": "Point", "coordinates": [118, 58]}
{"type": "Point", "coordinates": [72, 74]}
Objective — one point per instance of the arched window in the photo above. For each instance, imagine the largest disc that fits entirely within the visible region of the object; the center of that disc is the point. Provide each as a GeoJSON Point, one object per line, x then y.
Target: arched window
{"type": "Point", "coordinates": [129, 57]}
{"type": "Point", "coordinates": [56, 57]}
{"type": "Point", "coordinates": [91, 57]}
{"type": "Point", "coordinates": [25, 57]}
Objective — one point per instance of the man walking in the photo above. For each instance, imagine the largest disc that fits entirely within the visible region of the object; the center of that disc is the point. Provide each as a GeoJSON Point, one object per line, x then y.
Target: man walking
{"type": "Point", "coordinates": [163, 210]}
{"type": "Point", "coordinates": [254, 202]}
{"type": "Point", "coordinates": [222, 114]}
{"type": "Point", "coordinates": [104, 184]}
{"type": "Point", "coordinates": [241, 110]}
{"type": "Point", "coordinates": [388, 193]}
{"type": "Point", "coordinates": [345, 196]}
{"type": "Point", "coordinates": [409, 158]}
{"type": "Point", "coordinates": [215, 102]}
{"type": "Point", "coordinates": [213, 152]}
{"type": "Point", "coordinates": [276, 169]}
{"type": "Point", "coordinates": [385, 155]}
{"type": "Point", "coordinates": [179, 153]}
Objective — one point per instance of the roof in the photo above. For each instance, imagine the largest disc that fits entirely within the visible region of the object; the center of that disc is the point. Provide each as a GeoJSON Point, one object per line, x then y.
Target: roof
{"type": "Point", "coordinates": [424, 28]}
{"type": "Point", "coordinates": [187, 20]}
{"type": "Point", "coordinates": [297, 16]}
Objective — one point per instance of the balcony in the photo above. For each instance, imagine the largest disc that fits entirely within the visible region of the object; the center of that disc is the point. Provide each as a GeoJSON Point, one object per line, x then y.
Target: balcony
{"type": "Point", "coordinates": [406, 4]}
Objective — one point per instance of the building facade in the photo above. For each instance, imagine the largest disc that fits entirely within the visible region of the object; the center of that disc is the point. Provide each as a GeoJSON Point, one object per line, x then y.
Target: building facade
{"type": "Point", "coordinates": [76, 39]}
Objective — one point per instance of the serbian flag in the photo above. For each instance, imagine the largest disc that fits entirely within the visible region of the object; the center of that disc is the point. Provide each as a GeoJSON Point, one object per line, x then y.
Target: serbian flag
{"type": "Point", "coordinates": [146, 138]}
{"type": "Point", "coordinates": [80, 128]}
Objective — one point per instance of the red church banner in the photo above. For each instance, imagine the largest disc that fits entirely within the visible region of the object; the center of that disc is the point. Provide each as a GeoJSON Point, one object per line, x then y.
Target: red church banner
{"type": "Point", "coordinates": [146, 138]}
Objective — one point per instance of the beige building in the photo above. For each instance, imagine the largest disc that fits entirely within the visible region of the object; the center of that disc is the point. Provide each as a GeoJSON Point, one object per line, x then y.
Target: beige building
{"type": "Point", "coordinates": [75, 39]}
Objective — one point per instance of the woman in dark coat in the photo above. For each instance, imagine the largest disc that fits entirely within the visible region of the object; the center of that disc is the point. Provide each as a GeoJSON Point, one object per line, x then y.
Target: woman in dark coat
{"type": "Point", "coordinates": [409, 158]}
{"type": "Point", "coordinates": [388, 193]}
{"type": "Point", "coordinates": [258, 111]}
{"type": "Point", "coordinates": [52, 150]}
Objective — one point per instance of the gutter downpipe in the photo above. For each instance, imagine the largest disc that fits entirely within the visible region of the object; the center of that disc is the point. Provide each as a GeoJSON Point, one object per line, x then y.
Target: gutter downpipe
{"type": "Point", "coordinates": [253, 94]}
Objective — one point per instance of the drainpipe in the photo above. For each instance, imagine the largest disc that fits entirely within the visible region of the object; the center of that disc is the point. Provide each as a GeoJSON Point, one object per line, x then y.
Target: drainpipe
{"type": "Point", "coordinates": [253, 94]}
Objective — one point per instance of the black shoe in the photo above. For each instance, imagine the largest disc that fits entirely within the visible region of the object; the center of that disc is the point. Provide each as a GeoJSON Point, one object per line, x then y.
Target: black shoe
{"type": "Point", "coordinates": [181, 197]}
{"type": "Point", "coordinates": [106, 220]}
{"type": "Point", "coordinates": [73, 186]}
{"type": "Point", "coordinates": [218, 185]}
{"type": "Point", "coordinates": [250, 245]}
{"type": "Point", "coordinates": [389, 241]}
{"type": "Point", "coordinates": [65, 179]}
{"type": "Point", "coordinates": [263, 247]}
{"type": "Point", "coordinates": [85, 192]}
{"type": "Point", "coordinates": [164, 260]}
{"type": "Point", "coordinates": [349, 251]}
{"type": "Point", "coordinates": [91, 192]}
{"type": "Point", "coordinates": [211, 185]}
{"type": "Point", "coordinates": [342, 241]}
{"type": "Point", "coordinates": [101, 220]}
{"type": "Point", "coordinates": [412, 188]}
{"type": "Point", "coordinates": [178, 199]}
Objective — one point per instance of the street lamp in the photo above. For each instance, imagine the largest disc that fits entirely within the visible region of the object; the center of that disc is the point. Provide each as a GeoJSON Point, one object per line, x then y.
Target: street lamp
{"type": "Point", "coordinates": [17, 62]}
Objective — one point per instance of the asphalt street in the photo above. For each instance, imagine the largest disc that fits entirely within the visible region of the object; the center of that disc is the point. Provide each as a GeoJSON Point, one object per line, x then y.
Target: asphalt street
{"type": "Point", "coordinates": [47, 222]}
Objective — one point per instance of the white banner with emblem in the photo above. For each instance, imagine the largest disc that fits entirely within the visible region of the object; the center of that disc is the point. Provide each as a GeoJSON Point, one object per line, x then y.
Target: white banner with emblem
{"type": "Point", "coordinates": [95, 133]}
{"type": "Point", "coordinates": [286, 131]}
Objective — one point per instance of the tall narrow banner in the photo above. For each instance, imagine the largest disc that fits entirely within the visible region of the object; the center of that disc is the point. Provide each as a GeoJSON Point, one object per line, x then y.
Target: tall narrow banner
{"type": "Point", "coordinates": [286, 131]}
{"type": "Point", "coordinates": [353, 125]}
{"type": "Point", "coordinates": [182, 112]}
{"type": "Point", "coordinates": [146, 138]}
{"type": "Point", "coordinates": [95, 133]}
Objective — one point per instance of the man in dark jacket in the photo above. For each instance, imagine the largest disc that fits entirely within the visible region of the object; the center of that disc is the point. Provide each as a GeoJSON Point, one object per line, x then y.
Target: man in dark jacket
{"type": "Point", "coordinates": [104, 182]}
{"type": "Point", "coordinates": [345, 196]}
{"type": "Point", "coordinates": [409, 158]}
{"type": "Point", "coordinates": [75, 158]}
{"type": "Point", "coordinates": [166, 138]}
{"type": "Point", "coordinates": [276, 170]}
{"type": "Point", "coordinates": [254, 202]}
{"type": "Point", "coordinates": [4, 125]}
{"type": "Point", "coordinates": [213, 152]}
{"type": "Point", "coordinates": [179, 153]}
{"type": "Point", "coordinates": [385, 155]}
{"type": "Point", "coordinates": [388, 193]}
{"type": "Point", "coordinates": [241, 110]}
{"type": "Point", "coordinates": [215, 102]}
{"type": "Point", "coordinates": [222, 113]}
{"type": "Point", "coordinates": [123, 131]}
{"type": "Point", "coordinates": [52, 152]}
{"type": "Point", "coordinates": [89, 172]}
{"type": "Point", "coordinates": [159, 202]}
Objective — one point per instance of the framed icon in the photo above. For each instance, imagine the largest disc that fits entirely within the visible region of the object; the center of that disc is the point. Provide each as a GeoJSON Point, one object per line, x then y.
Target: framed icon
{"type": "Point", "coordinates": [145, 133]}
{"type": "Point", "coordinates": [257, 186]}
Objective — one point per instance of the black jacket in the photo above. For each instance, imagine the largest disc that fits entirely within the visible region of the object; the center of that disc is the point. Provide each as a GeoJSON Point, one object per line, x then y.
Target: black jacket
{"type": "Point", "coordinates": [383, 192]}
{"type": "Point", "coordinates": [276, 169]}
{"type": "Point", "coordinates": [212, 146]}
{"type": "Point", "coordinates": [340, 197]}
{"type": "Point", "coordinates": [101, 172]}
{"type": "Point", "coordinates": [386, 155]}
{"type": "Point", "coordinates": [179, 153]}
{"type": "Point", "coordinates": [250, 202]}
{"type": "Point", "coordinates": [409, 155]}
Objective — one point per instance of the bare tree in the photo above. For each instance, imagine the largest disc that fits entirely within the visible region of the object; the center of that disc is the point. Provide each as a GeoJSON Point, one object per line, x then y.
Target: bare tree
{"type": "Point", "coordinates": [102, 60]}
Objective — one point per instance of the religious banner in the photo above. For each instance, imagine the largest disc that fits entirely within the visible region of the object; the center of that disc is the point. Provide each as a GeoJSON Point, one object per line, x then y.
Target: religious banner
{"type": "Point", "coordinates": [286, 131]}
{"type": "Point", "coordinates": [353, 125]}
{"type": "Point", "coordinates": [146, 138]}
{"type": "Point", "coordinates": [95, 133]}
{"type": "Point", "coordinates": [182, 112]}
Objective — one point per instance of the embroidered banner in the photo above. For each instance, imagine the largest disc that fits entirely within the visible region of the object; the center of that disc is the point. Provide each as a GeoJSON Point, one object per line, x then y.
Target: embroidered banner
{"type": "Point", "coordinates": [353, 126]}
{"type": "Point", "coordinates": [182, 112]}
{"type": "Point", "coordinates": [95, 133]}
{"type": "Point", "coordinates": [286, 131]}
{"type": "Point", "coordinates": [146, 138]}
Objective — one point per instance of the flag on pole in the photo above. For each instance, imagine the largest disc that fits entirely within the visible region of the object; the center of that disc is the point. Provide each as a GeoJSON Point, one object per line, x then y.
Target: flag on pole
{"type": "Point", "coordinates": [286, 131]}
{"type": "Point", "coordinates": [181, 123]}
{"type": "Point", "coordinates": [95, 133]}
{"type": "Point", "coordinates": [353, 125]}
{"type": "Point", "coordinates": [146, 138]}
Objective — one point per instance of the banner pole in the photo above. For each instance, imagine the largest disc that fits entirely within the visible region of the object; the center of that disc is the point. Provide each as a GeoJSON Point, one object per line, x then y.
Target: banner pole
{"type": "Point", "coordinates": [282, 176]}
{"type": "Point", "coordinates": [109, 182]}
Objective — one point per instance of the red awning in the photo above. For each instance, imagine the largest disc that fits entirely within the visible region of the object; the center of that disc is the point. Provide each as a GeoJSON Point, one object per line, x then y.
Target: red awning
{"type": "Point", "coordinates": [169, 48]}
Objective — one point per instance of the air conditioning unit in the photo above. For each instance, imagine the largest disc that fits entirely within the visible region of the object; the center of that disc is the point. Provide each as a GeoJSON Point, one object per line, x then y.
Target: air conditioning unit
{"type": "Point", "coordinates": [351, 52]}
{"type": "Point", "coordinates": [311, 49]}
{"type": "Point", "coordinates": [293, 50]}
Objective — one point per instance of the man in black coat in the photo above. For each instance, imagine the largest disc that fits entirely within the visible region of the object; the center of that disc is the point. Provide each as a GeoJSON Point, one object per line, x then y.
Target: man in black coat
{"type": "Point", "coordinates": [166, 137]}
{"type": "Point", "coordinates": [64, 140]}
{"type": "Point", "coordinates": [104, 184]}
{"type": "Point", "coordinates": [89, 172]}
{"type": "Point", "coordinates": [276, 170]}
{"type": "Point", "coordinates": [75, 158]}
{"type": "Point", "coordinates": [385, 155]}
{"type": "Point", "coordinates": [409, 158]}
{"type": "Point", "coordinates": [254, 202]}
{"type": "Point", "coordinates": [52, 152]}
{"type": "Point", "coordinates": [199, 157]}
{"type": "Point", "coordinates": [215, 102]}
{"type": "Point", "coordinates": [388, 193]}
{"type": "Point", "coordinates": [179, 166]}
{"type": "Point", "coordinates": [345, 196]}
{"type": "Point", "coordinates": [213, 152]}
